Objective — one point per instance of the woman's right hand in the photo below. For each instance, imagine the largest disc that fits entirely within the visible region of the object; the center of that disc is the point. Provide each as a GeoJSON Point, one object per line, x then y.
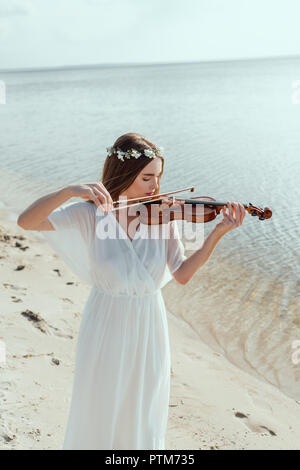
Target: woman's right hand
{"type": "Point", "coordinates": [96, 192]}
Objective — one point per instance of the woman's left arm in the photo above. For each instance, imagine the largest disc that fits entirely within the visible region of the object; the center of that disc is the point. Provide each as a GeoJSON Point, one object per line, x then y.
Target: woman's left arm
{"type": "Point", "coordinates": [230, 221]}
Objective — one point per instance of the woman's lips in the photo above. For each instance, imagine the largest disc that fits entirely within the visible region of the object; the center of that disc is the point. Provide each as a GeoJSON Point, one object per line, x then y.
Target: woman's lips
{"type": "Point", "coordinates": [149, 194]}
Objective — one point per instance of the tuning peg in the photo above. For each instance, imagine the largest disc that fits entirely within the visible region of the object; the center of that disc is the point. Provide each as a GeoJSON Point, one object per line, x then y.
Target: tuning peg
{"type": "Point", "coordinates": [261, 218]}
{"type": "Point", "coordinates": [254, 213]}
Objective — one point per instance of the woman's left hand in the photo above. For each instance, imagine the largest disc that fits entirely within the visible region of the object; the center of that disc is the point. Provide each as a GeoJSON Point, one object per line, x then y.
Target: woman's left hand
{"type": "Point", "coordinates": [234, 218]}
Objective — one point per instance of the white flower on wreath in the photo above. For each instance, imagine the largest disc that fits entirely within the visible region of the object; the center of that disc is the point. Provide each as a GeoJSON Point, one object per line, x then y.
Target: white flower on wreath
{"type": "Point", "coordinates": [149, 153]}
{"type": "Point", "coordinates": [134, 153]}
{"type": "Point", "coordinates": [121, 154]}
{"type": "Point", "coordinates": [109, 150]}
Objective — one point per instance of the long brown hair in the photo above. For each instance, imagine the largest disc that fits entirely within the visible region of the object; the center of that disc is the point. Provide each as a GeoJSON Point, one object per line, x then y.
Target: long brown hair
{"type": "Point", "coordinates": [118, 175]}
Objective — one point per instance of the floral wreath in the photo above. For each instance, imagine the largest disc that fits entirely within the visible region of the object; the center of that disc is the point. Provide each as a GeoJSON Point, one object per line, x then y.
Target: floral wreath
{"type": "Point", "coordinates": [134, 153]}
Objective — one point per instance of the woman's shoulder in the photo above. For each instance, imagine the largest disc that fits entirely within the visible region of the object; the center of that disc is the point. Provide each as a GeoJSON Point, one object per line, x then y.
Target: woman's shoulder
{"type": "Point", "coordinates": [80, 215]}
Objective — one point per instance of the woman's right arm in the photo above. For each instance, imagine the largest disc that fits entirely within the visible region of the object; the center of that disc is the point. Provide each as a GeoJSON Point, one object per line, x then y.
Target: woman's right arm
{"type": "Point", "coordinates": [38, 212]}
{"type": "Point", "coordinates": [35, 216]}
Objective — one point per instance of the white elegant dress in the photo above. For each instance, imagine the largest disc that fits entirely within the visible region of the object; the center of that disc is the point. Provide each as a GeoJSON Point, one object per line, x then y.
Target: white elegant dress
{"type": "Point", "coordinates": [121, 385]}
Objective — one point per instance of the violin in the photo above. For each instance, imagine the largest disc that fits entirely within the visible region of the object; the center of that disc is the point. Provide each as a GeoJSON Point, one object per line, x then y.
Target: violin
{"type": "Point", "coordinates": [160, 209]}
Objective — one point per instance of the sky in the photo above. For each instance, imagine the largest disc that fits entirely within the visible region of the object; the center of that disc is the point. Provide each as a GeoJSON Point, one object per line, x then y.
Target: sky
{"type": "Point", "coordinates": [57, 33]}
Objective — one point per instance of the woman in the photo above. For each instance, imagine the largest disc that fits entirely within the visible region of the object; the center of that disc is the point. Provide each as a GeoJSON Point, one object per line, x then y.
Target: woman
{"type": "Point", "coordinates": [121, 385]}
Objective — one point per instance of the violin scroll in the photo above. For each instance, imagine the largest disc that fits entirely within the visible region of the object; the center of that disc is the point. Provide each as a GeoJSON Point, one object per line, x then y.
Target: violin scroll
{"type": "Point", "coordinates": [263, 214]}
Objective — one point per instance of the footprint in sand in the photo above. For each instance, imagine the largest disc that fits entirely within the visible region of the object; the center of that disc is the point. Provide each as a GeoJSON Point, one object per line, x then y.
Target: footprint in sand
{"type": "Point", "coordinates": [57, 332]}
{"type": "Point", "coordinates": [42, 324]}
{"type": "Point", "coordinates": [7, 435]}
{"type": "Point", "coordinates": [256, 400]}
{"type": "Point", "coordinates": [15, 299]}
{"type": "Point", "coordinates": [254, 426]}
{"type": "Point", "coordinates": [12, 286]}
{"type": "Point", "coordinates": [66, 299]}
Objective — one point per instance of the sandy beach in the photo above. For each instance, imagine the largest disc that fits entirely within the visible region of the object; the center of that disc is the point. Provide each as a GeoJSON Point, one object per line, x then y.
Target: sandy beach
{"type": "Point", "coordinates": [214, 404]}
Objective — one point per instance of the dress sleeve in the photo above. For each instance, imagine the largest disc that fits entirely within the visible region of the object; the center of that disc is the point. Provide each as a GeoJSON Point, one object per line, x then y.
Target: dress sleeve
{"type": "Point", "coordinates": [175, 252]}
{"type": "Point", "coordinates": [72, 238]}
{"type": "Point", "coordinates": [175, 255]}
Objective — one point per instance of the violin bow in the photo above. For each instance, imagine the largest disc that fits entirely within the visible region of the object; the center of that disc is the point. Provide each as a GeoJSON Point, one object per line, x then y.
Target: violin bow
{"type": "Point", "coordinates": [149, 198]}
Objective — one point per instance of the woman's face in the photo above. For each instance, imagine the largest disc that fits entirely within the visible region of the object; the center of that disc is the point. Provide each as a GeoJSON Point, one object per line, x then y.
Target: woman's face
{"type": "Point", "coordinates": [146, 182]}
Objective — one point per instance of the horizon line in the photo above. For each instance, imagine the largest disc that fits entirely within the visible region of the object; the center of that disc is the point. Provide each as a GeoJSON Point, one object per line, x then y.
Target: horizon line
{"type": "Point", "coordinates": [140, 64]}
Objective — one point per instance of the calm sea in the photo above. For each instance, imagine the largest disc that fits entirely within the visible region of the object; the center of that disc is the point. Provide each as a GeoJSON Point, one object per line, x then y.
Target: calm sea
{"type": "Point", "coordinates": [231, 129]}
